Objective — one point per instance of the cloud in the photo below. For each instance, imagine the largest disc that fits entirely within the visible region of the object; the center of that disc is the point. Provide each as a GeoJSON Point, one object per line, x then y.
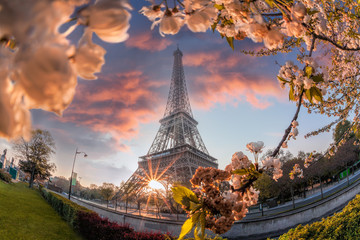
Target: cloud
{"type": "Point", "coordinates": [147, 41]}
{"type": "Point", "coordinates": [226, 79]}
{"type": "Point", "coordinates": [117, 106]}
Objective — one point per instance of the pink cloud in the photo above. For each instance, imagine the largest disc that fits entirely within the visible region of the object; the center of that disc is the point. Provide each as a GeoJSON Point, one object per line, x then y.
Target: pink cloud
{"type": "Point", "coordinates": [117, 106]}
{"type": "Point", "coordinates": [146, 41]}
{"type": "Point", "coordinates": [223, 81]}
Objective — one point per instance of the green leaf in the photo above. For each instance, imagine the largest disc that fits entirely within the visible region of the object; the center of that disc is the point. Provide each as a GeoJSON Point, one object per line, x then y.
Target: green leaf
{"type": "Point", "coordinates": [199, 232]}
{"type": "Point", "coordinates": [308, 71]}
{"type": "Point", "coordinates": [282, 79]}
{"type": "Point", "coordinates": [256, 174]}
{"type": "Point", "coordinates": [252, 167]}
{"type": "Point", "coordinates": [230, 41]}
{"type": "Point", "coordinates": [308, 95]}
{"type": "Point", "coordinates": [240, 172]}
{"type": "Point", "coordinates": [189, 224]}
{"type": "Point", "coordinates": [312, 12]}
{"type": "Point", "coordinates": [194, 206]}
{"type": "Point", "coordinates": [270, 3]}
{"type": "Point", "coordinates": [219, 7]}
{"type": "Point", "coordinates": [316, 93]}
{"type": "Point", "coordinates": [213, 27]}
{"type": "Point", "coordinates": [183, 196]}
{"type": "Point", "coordinates": [186, 228]}
{"type": "Point", "coordinates": [318, 78]}
{"type": "Point", "coordinates": [291, 93]}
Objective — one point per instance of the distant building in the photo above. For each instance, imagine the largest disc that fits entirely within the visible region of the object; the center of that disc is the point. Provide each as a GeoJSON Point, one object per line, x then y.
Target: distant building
{"type": "Point", "coordinates": [3, 159]}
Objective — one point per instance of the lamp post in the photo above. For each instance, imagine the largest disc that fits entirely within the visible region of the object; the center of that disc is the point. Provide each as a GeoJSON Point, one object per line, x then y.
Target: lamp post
{"type": "Point", "coordinates": [72, 171]}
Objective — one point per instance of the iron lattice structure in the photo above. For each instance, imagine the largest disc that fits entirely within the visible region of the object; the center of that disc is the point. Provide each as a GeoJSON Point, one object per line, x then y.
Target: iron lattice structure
{"type": "Point", "coordinates": [177, 150]}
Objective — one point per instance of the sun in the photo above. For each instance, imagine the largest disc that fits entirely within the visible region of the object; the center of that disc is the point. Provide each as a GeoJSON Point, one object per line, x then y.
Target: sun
{"type": "Point", "coordinates": [156, 185]}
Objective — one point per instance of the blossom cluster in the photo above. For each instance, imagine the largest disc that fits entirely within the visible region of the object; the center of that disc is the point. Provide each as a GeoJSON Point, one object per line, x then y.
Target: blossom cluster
{"type": "Point", "coordinates": [221, 197]}
{"type": "Point", "coordinates": [207, 183]}
{"type": "Point", "coordinates": [293, 133]}
{"type": "Point", "coordinates": [275, 165]}
{"type": "Point", "coordinates": [304, 79]}
{"type": "Point", "coordinates": [248, 196]}
{"type": "Point", "coordinates": [198, 15]}
{"type": "Point", "coordinates": [39, 66]}
{"type": "Point", "coordinates": [296, 172]}
{"type": "Point", "coordinates": [223, 193]}
{"type": "Point", "coordinates": [240, 19]}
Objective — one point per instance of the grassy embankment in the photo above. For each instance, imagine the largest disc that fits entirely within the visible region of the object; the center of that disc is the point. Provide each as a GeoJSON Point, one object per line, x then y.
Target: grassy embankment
{"type": "Point", "coordinates": [24, 214]}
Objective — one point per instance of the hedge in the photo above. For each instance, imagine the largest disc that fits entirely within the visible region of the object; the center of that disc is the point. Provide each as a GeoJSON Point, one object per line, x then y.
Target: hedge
{"type": "Point", "coordinates": [93, 227]}
{"type": "Point", "coordinates": [5, 176]}
{"type": "Point", "coordinates": [66, 208]}
{"type": "Point", "coordinates": [342, 225]}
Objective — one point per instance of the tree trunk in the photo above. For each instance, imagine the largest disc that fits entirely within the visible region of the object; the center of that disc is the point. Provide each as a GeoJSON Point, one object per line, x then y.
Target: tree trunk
{"type": "Point", "coordinates": [321, 189]}
{"type": "Point", "coordinates": [292, 196]}
{"type": "Point", "coordinates": [32, 178]}
{"type": "Point", "coordinates": [139, 207]}
{"type": "Point", "coordinates": [126, 206]}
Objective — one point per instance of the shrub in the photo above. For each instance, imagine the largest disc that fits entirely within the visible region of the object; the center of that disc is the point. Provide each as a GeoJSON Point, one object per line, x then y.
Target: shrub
{"type": "Point", "coordinates": [66, 208]}
{"type": "Point", "coordinates": [93, 227]}
{"type": "Point", "coordinates": [5, 176]}
{"type": "Point", "coordinates": [342, 225]}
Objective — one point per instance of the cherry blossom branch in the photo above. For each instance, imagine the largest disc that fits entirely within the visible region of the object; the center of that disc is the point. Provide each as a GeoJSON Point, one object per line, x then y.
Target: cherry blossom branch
{"type": "Point", "coordinates": [272, 14]}
{"type": "Point", "coordinates": [327, 39]}
{"type": "Point", "coordinates": [288, 130]}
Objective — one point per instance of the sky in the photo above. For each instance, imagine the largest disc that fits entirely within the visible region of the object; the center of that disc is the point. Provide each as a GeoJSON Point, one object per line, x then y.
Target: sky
{"type": "Point", "coordinates": [235, 98]}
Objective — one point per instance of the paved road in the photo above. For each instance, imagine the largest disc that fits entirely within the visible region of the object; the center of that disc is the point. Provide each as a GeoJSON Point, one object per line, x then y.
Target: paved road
{"type": "Point", "coordinates": [180, 217]}
{"type": "Point", "coordinates": [254, 214]}
{"type": "Point", "coordinates": [305, 201]}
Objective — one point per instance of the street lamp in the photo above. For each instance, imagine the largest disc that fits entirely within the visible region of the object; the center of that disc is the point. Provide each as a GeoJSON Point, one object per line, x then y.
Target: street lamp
{"type": "Point", "coordinates": [72, 171]}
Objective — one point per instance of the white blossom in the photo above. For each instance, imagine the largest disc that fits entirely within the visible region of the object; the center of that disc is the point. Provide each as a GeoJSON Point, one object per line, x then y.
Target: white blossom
{"type": "Point", "coordinates": [239, 160]}
{"type": "Point", "coordinates": [200, 20]}
{"type": "Point", "coordinates": [255, 147]}
{"type": "Point", "coordinates": [294, 28]}
{"type": "Point", "coordinates": [257, 32]}
{"type": "Point", "coordinates": [298, 10]}
{"type": "Point", "coordinates": [299, 81]}
{"type": "Point", "coordinates": [294, 132]}
{"type": "Point", "coordinates": [152, 13]}
{"type": "Point", "coordinates": [16, 120]}
{"type": "Point", "coordinates": [294, 124]}
{"type": "Point", "coordinates": [46, 77]}
{"type": "Point", "coordinates": [308, 83]}
{"type": "Point", "coordinates": [274, 39]}
{"type": "Point", "coordinates": [170, 24]}
{"type": "Point", "coordinates": [89, 57]}
{"type": "Point", "coordinates": [109, 19]}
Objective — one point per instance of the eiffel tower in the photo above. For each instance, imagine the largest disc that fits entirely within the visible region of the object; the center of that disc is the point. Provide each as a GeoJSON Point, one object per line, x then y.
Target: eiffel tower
{"type": "Point", "coordinates": [177, 150]}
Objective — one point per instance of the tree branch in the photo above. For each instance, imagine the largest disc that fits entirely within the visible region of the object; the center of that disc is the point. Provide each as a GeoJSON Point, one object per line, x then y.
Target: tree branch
{"type": "Point", "coordinates": [287, 131]}
{"type": "Point", "coordinates": [324, 38]}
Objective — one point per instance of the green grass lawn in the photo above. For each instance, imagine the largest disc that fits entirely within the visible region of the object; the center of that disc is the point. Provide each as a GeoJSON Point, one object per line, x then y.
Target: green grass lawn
{"type": "Point", "coordinates": [24, 214]}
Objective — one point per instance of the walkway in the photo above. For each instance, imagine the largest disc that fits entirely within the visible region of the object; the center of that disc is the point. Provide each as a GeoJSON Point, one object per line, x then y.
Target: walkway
{"type": "Point", "coordinates": [254, 214]}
